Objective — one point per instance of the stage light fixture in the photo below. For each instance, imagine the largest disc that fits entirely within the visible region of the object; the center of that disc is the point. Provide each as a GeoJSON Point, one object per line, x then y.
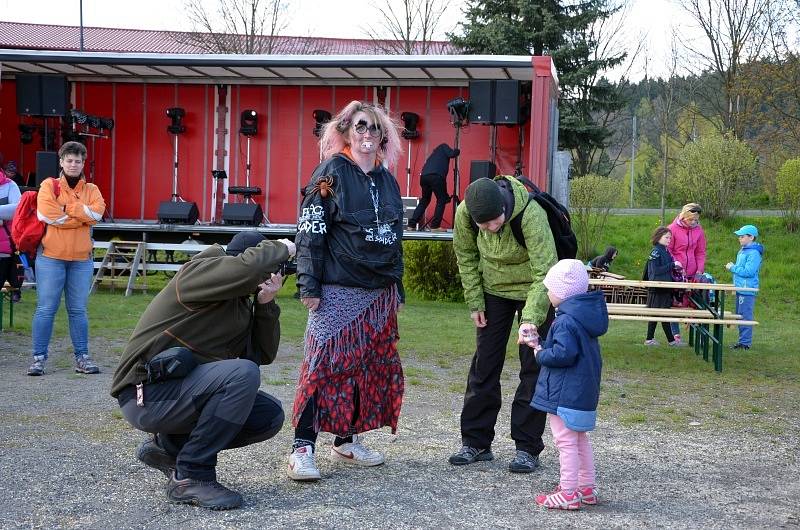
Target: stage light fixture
{"type": "Point", "coordinates": [249, 123]}
{"type": "Point", "coordinates": [176, 114]}
{"type": "Point", "coordinates": [26, 133]}
{"type": "Point", "coordinates": [321, 117]}
{"type": "Point", "coordinates": [219, 174]}
{"type": "Point", "coordinates": [459, 109]}
{"type": "Point", "coordinates": [410, 121]}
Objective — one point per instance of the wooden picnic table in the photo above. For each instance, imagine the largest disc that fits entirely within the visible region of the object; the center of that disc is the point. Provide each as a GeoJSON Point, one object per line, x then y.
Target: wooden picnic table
{"type": "Point", "coordinates": [712, 311]}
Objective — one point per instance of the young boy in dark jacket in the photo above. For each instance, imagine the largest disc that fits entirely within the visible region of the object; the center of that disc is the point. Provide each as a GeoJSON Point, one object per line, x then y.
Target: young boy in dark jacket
{"type": "Point", "coordinates": [569, 381]}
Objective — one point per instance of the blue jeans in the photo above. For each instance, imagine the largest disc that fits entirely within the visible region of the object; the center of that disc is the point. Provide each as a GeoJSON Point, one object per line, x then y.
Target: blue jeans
{"type": "Point", "coordinates": [74, 279]}
{"type": "Point", "coordinates": [744, 307]}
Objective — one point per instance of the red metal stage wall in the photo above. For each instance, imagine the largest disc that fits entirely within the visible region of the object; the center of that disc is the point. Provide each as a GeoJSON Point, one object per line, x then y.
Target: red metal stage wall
{"type": "Point", "coordinates": [133, 168]}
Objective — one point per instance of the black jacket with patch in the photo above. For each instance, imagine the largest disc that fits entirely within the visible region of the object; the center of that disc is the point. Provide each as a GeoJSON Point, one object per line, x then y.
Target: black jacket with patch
{"type": "Point", "coordinates": [350, 229]}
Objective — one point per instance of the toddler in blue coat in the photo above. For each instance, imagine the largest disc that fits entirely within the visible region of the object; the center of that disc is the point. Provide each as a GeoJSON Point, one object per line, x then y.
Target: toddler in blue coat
{"type": "Point", "coordinates": [569, 381]}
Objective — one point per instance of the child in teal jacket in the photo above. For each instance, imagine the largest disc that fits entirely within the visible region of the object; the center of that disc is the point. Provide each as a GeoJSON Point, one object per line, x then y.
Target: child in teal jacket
{"type": "Point", "coordinates": [745, 274]}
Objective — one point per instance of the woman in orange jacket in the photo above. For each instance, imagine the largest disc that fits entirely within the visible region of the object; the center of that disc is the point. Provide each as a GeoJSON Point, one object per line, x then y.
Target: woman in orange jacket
{"type": "Point", "coordinates": [69, 206]}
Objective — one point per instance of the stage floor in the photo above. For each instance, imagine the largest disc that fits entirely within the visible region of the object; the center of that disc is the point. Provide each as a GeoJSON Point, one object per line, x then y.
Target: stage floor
{"type": "Point", "coordinates": [155, 232]}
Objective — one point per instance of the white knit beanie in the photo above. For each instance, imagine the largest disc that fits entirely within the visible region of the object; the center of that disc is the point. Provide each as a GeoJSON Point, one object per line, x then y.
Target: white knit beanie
{"type": "Point", "coordinates": [567, 278]}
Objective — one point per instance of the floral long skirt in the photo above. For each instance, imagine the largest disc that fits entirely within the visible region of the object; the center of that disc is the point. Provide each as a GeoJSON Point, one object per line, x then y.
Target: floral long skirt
{"type": "Point", "coordinates": [351, 348]}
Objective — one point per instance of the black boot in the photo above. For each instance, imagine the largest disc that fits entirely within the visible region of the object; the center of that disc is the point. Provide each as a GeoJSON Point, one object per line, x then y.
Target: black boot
{"type": "Point", "coordinates": [206, 494]}
{"type": "Point", "coordinates": [153, 455]}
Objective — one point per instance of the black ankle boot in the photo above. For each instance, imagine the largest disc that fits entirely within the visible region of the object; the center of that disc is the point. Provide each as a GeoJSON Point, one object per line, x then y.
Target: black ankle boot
{"type": "Point", "coordinates": [206, 494]}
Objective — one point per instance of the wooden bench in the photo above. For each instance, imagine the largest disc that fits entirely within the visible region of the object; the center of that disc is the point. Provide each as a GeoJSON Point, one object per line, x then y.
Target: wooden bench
{"type": "Point", "coordinates": [706, 323]}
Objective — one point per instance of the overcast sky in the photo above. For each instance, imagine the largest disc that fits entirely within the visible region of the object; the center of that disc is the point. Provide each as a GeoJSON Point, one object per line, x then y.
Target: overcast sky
{"type": "Point", "coordinates": [324, 18]}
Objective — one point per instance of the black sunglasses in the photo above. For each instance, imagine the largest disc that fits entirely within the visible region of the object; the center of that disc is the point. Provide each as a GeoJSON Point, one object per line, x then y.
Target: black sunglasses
{"type": "Point", "coordinates": [696, 210]}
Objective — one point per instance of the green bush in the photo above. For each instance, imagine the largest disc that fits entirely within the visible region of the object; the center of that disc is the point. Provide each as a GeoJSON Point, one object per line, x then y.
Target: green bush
{"type": "Point", "coordinates": [431, 271]}
{"type": "Point", "coordinates": [716, 172]}
{"type": "Point", "coordinates": [590, 200]}
{"type": "Point", "coordinates": [787, 184]}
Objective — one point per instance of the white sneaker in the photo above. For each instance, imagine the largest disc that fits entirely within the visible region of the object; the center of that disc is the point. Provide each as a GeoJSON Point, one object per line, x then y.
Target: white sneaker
{"type": "Point", "coordinates": [301, 464]}
{"type": "Point", "coordinates": [355, 453]}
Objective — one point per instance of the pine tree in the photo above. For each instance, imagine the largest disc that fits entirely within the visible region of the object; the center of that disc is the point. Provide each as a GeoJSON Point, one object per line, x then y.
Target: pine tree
{"type": "Point", "coordinates": [568, 32]}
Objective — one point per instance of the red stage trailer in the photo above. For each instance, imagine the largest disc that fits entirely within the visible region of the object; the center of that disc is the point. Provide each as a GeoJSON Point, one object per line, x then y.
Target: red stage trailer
{"type": "Point", "coordinates": [133, 166]}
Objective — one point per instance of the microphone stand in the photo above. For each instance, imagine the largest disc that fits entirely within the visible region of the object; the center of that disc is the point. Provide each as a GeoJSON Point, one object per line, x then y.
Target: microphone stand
{"type": "Point", "coordinates": [456, 175]}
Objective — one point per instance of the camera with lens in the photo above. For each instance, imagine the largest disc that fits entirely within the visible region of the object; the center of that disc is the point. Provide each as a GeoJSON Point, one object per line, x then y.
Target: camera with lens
{"type": "Point", "coordinates": [287, 268]}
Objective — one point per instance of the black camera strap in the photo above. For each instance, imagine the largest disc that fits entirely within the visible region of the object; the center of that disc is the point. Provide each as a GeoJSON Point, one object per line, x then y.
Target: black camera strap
{"type": "Point", "coordinates": [249, 349]}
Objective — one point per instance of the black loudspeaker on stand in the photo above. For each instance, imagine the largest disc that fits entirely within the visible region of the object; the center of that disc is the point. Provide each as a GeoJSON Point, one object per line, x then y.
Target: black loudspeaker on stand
{"type": "Point", "coordinates": [42, 95]}
{"type": "Point", "coordinates": [46, 165]}
{"type": "Point", "coordinates": [481, 169]}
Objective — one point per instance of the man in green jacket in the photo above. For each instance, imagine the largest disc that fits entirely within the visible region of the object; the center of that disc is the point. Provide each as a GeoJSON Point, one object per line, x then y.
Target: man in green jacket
{"type": "Point", "coordinates": [206, 314]}
{"type": "Point", "coordinates": [502, 280]}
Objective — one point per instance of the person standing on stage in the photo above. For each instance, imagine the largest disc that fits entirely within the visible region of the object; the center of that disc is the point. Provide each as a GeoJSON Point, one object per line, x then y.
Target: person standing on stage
{"type": "Point", "coordinates": [434, 180]}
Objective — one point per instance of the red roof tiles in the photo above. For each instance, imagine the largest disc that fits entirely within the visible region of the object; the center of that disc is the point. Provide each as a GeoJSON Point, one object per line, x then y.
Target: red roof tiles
{"type": "Point", "coordinates": [17, 35]}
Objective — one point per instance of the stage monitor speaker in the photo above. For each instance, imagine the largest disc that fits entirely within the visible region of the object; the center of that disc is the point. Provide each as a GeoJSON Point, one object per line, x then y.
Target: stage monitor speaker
{"type": "Point", "coordinates": [29, 95]}
{"type": "Point", "coordinates": [177, 213]}
{"type": "Point", "coordinates": [480, 169]}
{"type": "Point", "coordinates": [512, 102]}
{"type": "Point", "coordinates": [55, 95]}
{"type": "Point", "coordinates": [242, 213]}
{"type": "Point", "coordinates": [46, 166]}
{"type": "Point", "coordinates": [481, 101]}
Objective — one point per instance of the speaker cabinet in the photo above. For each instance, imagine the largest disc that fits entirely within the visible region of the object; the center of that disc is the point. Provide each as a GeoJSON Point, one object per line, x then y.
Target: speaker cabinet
{"type": "Point", "coordinates": [481, 101]}
{"type": "Point", "coordinates": [177, 213]}
{"type": "Point", "coordinates": [480, 169]}
{"type": "Point", "coordinates": [42, 95]}
{"type": "Point", "coordinates": [512, 103]}
{"type": "Point", "coordinates": [29, 95]}
{"type": "Point", "coordinates": [242, 213]}
{"type": "Point", "coordinates": [46, 165]}
{"type": "Point", "coordinates": [55, 95]}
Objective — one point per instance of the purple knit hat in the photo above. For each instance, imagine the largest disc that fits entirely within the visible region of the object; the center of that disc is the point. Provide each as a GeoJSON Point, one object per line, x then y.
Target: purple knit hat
{"type": "Point", "coordinates": [567, 278]}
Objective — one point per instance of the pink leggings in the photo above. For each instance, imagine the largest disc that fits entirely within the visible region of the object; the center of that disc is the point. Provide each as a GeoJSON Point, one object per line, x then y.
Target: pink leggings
{"type": "Point", "coordinates": [574, 454]}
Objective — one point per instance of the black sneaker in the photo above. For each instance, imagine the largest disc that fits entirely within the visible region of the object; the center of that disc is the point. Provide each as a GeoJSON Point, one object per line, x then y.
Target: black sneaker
{"type": "Point", "coordinates": [153, 455]}
{"type": "Point", "coordinates": [469, 455]}
{"type": "Point", "coordinates": [206, 494]}
{"type": "Point", "coordinates": [523, 462]}
{"type": "Point", "coordinates": [738, 346]}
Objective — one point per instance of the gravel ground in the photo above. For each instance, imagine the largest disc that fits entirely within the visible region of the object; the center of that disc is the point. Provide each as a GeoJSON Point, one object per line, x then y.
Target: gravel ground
{"type": "Point", "coordinates": [67, 462]}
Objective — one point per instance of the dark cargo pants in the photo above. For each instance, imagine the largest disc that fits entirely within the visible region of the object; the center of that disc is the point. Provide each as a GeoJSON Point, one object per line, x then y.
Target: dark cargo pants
{"type": "Point", "coordinates": [482, 399]}
{"type": "Point", "coordinates": [217, 406]}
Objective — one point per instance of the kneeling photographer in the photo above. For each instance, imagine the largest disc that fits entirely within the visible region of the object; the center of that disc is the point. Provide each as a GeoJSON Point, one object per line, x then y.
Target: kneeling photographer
{"type": "Point", "coordinates": [190, 374]}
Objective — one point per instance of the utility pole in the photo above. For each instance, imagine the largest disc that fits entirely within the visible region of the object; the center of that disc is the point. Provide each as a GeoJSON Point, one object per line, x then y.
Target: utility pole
{"type": "Point", "coordinates": [633, 157]}
{"type": "Point", "coordinates": [81, 10]}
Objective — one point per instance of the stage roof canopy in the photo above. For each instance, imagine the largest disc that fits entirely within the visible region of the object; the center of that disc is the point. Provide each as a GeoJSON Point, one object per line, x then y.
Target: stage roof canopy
{"type": "Point", "coordinates": [389, 70]}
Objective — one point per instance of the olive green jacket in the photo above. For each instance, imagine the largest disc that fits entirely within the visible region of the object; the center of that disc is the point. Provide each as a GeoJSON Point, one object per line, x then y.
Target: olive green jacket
{"type": "Point", "coordinates": [206, 307]}
{"type": "Point", "coordinates": [498, 265]}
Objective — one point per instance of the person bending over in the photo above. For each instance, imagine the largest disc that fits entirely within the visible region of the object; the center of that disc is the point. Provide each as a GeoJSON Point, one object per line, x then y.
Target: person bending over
{"type": "Point", "coordinates": [205, 316]}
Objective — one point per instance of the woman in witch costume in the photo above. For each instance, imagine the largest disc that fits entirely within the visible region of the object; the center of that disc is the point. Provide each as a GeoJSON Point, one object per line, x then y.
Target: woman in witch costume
{"type": "Point", "coordinates": [349, 271]}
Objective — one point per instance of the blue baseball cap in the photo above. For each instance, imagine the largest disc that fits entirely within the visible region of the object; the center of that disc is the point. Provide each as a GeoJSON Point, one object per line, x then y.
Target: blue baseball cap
{"type": "Point", "coordinates": [747, 230]}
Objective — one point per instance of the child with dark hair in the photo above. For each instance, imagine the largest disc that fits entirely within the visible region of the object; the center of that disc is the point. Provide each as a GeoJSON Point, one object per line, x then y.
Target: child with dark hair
{"type": "Point", "coordinates": [604, 260]}
{"type": "Point", "coordinates": [660, 266]}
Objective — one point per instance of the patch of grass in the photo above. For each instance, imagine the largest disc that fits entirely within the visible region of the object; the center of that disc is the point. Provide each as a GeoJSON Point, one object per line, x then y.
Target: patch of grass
{"type": "Point", "coordinates": [661, 386]}
{"type": "Point", "coordinates": [633, 419]}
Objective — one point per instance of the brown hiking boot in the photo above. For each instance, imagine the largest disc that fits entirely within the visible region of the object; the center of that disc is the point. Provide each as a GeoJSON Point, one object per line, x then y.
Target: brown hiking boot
{"type": "Point", "coordinates": [153, 455]}
{"type": "Point", "coordinates": [206, 494]}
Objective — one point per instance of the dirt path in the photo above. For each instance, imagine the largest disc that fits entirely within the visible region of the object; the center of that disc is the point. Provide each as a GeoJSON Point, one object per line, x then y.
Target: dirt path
{"type": "Point", "coordinates": [67, 462]}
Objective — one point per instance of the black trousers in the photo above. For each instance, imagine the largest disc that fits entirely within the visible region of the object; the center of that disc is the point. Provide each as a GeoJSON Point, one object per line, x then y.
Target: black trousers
{"type": "Point", "coordinates": [482, 399]}
{"type": "Point", "coordinates": [217, 406]}
{"type": "Point", "coordinates": [431, 184]}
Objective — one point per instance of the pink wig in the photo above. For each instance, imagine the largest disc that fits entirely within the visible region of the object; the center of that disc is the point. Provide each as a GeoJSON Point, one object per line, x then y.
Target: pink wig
{"type": "Point", "coordinates": [334, 135]}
